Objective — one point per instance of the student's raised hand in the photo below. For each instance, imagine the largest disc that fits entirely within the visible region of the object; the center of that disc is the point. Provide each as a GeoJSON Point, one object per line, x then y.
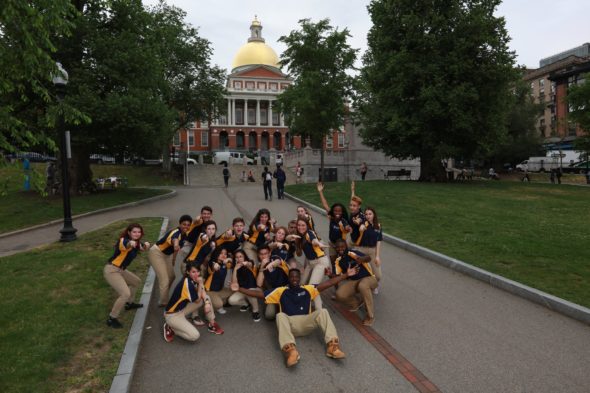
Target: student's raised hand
{"type": "Point", "coordinates": [239, 265]}
{"type": "Point", "coordinates": [292, 237]}
{"type": "Point", "coordinates": [322, 244]}
{"type": "Point", "coordinates": [261, 227]}
{"type": "Point", "coordinates": [216, 266]}
{"type": "Point", "coordinates": [362, 228]}
{"type": "Point", "coordinates": [320, 186]}
{"type": "Point", "coordinates": [146, 245]}
{"type": "Point", "coordinates": [229, 233]}
{"type": "Point", "coordinates": [352, 186]}
{"type": "Point", "coordinates": [204, 237]}
{"type": "Point", "coordinates": [234, 286]}
{"type": "Point", "coordinates": [357, 220]}
{"type": "Point", "coordinates": [273, 221]}
{"type": "Point", "coordinates": [348, 228]}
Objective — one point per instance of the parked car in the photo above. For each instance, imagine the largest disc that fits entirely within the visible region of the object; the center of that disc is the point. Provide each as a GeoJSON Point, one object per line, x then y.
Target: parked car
{"type": "Point", "coordinates": [578, 167]}
{"type": "Point", "coordinates": [31, 156]}
{"type": "Point", "coordinates": [102, 159]}
{"type": "Point", "coordinates": [538, 164]}
{"type": "Point", "coordinates": [231, 157]}
{"type": "Point", "coordinates": [176, 160]}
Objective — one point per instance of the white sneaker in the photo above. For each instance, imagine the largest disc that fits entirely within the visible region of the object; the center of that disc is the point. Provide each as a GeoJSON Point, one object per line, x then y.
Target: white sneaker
{"type": "Point", "coordinates": [376, 291]}
{"type": "Point", "coordinates": [221, 310]}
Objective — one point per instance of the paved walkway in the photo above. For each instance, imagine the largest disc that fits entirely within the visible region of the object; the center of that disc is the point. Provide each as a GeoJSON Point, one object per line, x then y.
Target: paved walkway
{"type": "Point", "coordinates": [462, 334]}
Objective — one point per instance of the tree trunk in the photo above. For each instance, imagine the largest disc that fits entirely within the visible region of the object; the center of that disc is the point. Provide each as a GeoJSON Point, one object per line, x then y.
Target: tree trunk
{"type": "Point", "coordinates": [79, 171]}
{"type": "Point", "coordinates": [431, 169]}
{"type": "Point", "coordinates": [166, 164]}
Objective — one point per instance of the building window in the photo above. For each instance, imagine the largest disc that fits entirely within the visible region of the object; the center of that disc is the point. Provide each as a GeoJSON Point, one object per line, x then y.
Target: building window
{"type": "Point", "coordinates": [275, 118]}
{"type": "Point", "coordinates": [341, 140]}
{"type": "Point", "coordinates": [250, 85]}
{"type": "Point", "coordinates": [238, 85]}
{"type": "Point", "coordinates": [274, 86]}
{"type": "Point", "coordinates": [263, 117]}
{"type": "Point", "coordinates": [542, 84]}
{"type": "Point", "coordinates": [251, 116]}
{"type": "Point", "coordinates": [329, 141]}
{"type": "Point", "coordinates": [204, 138]}
{"type": "Point", "coordinates": [176, 140]}
{"type": "Point", "coordinates": [191, 138]}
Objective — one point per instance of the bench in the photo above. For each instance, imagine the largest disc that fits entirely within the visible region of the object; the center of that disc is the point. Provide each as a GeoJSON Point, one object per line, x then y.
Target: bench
{"type": "Point", "coordinates": [397, 174]}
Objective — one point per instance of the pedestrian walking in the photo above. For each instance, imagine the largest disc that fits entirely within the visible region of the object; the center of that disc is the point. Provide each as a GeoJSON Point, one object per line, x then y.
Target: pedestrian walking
{"type": "Point", "coordinates": [116, 274]}
{"type": "Point", "coordinates": [267, 183]}
{"type": "Point", "coordinates": [226, 175]}
{"type": "Point", "coordinates": [558, 175]}
{"type": "Point", "coordinates": [298, 172]}
{"type": "Point", "coordinates": [281, 177]}
{"type": "Point", "coordinates": [364, 170]}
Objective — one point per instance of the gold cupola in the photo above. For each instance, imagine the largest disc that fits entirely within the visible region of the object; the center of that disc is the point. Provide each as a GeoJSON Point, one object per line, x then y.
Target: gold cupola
{"type": "Point", "coordinates": [255, 51]}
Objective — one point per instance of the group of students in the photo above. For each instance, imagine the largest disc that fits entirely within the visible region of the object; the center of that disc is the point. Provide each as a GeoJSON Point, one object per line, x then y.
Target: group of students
{"type": "Point", "coordinates": [259, 261]}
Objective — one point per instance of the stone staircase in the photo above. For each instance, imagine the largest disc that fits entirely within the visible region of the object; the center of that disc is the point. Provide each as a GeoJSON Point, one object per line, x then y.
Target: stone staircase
{"type": "Point", "coordinates": [212, 175]}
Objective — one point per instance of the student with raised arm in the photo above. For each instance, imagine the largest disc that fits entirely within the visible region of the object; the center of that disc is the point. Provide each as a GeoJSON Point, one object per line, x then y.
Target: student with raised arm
{"type": "Point", "coordinates": [244, 275]}
{"type": "Point", "coordinates": [116, 274]}
{"type": "Point", "coordinates": [188, 296]}
{"type": "Point", "coordinates": [357, 216]}
{"type": "Point", "coordinates": [295, 317]}
{"type": "Point", "coordinates": [338, 222]}
{"type": "Point", "coordinates": [259, 233]}
{"type": "Point", "coordinates": [204, 246]}
{"type": "Point", "coordinates": [369, 241]}
{"type": "Point", "coordinates": [360, 284]}
{"type": "Point", "coordinates": [193, 233]}
{"type": "Point", "coordinates": [163, 253]}
{"type": "Point", "coordinates": [233, 238]}
{"type": "Point", "coordinates": [316, 261]}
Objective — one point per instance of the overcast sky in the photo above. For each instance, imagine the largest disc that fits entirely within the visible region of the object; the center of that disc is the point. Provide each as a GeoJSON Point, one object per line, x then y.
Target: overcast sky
{"type": "Point", "coordinates": [538, 28]}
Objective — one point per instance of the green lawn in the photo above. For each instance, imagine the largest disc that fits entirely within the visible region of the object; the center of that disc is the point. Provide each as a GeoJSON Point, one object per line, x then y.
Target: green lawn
{"type": "Point", "coordinates": [536, 234]}
{"type": "Point", "coordinates": [20, 209]}
{"type": "Point", "coordinates": [53, 335]}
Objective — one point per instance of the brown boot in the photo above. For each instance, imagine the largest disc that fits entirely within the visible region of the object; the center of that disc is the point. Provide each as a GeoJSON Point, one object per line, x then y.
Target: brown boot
{"type": "Point", "coordinates": [291, 355]}
{"type": "Point", "coordinates": [333, 350]}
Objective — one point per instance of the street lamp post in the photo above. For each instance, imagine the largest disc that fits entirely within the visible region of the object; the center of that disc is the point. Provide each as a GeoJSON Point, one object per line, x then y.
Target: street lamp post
{"type": "Point", "coordinates": [68, 232]}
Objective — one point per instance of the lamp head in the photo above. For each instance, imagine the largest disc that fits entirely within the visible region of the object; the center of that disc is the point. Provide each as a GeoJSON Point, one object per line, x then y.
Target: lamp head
{"type": "Point", "coordinates": [61, 77]}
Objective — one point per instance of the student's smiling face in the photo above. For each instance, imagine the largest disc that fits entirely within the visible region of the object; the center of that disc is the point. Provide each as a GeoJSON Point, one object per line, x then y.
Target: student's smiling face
{"type": "Point", "coordinates": [210, 230]}
{"type": "Point", "coordinates": [206, 215]}
{"type": "Point", "coordinates": [135, 233]}
{"type": "Point", "coordinates": [184, 226]}
{"type": "Point", "coordinates": [280, 235]}
{"type": "Point", "coordinates": [263, 218]}
{"type": "Point", "coordinates": [294, 278]}
{"type": "Point", "coordinates": [239, 228]}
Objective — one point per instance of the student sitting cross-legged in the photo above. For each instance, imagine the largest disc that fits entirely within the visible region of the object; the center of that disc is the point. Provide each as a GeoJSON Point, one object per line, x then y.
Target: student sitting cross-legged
{"type": "Point", "coordinates": [295, 317]}
{"type": "Point", "coordinates": [188, 296]}
{"type": "Point", "coordinates": [244, 276]}
{"type": "Point", "coordinates": [219, 266]}
{"type": "Point", "coordinates": [363, 283]}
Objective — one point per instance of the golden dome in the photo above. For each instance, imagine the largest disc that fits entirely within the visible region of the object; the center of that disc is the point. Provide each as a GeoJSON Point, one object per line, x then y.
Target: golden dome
{"type": "Point", "coordinates": [256, 52]}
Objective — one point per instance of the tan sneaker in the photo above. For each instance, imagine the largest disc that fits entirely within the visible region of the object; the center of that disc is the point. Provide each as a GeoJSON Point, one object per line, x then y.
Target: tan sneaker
{"type": "Point", "coordinates": [291, 355]}
{"type": "Point", "coordinates": [368, 321]}
{"type": "Point", "coordinates": [333, 350]}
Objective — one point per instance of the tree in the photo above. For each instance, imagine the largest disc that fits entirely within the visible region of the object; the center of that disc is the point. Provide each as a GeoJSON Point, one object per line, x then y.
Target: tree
{"type": "Point", "coordinates": [522, 140]}
{"type": "Point", "coordinates": [27, 48]}
{"type": "Point", "coordinates": [318, 58]}
{"type": "Point", "coordinates": [578, 98]}
{"type": "Point", "coordinates": [436, 80]}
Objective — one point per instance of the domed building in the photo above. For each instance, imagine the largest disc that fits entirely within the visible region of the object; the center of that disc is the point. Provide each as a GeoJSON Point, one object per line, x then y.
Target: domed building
{"type": "Point", "coordinates": [255, 81]}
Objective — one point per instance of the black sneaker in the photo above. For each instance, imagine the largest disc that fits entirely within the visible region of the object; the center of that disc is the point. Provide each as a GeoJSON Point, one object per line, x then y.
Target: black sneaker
{"type": "Point", "coordinates": [256, 316]}
{"type": "Point", "coordinates": [132, 306]}
{"type": "Point", "coordinates": [245, 308]}
{"type": "Point", "coordinates": [114, 323]}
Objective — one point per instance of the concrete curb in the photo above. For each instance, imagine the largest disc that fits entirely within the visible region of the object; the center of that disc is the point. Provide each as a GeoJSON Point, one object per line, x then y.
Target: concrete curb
{"type": "Point", "coordinates": [171, 194]}
{"type": "Point", "coordinates": [554, 303]}
{"type": "Point", "coordinates": [122, 380]}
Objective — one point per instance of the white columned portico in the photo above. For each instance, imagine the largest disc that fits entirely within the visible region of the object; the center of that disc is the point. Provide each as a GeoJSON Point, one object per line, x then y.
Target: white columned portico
{"type": "Point", "coordinates": [246, 117]}
{"type": "Point", "coordinates": [228, 117]}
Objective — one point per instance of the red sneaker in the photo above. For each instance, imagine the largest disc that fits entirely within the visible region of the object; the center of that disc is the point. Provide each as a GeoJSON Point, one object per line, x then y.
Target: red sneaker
{"type": "Point", "coordinates": [168, 333]}
{"type": "Point", "coordinates": [215, 328]}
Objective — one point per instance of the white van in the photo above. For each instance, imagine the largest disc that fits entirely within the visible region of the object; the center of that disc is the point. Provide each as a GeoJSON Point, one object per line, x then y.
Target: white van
{"type": "Point", "coordinates": [231, 157]}
{"type": "Point", "coordinates": [538, 164]}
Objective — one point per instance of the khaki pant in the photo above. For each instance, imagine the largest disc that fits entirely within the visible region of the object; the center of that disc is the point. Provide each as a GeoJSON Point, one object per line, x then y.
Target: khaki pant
{"type": "Point", "coordinates": [270, 312]}
{"type": "Point", "coordinates": [181, 326]}
{"type": "Point", "coordinates": [124, 283]}
{"type": "Point", "coordinates": [290, 327]}
{"type": "Point", "coordinates": [164, 269]}
{"type": "Point", "coordinates": [239, 299]}
{"type": "Point", "coordinates": [314, 273]}
{"type": "Point", "coordinates": [371, 251]}
{"type": "Point", "coordinates": [348, 289]}
{"type": "Point", "coordinates": [218, 298]}
{"type": "Point", "coordinates": [251, 251]}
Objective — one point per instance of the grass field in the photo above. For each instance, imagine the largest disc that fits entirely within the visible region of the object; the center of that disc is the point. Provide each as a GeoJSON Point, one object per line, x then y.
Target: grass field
{"type": "Point", "coordinates": [55, 302]}
{"type": "Point", "coordinates": [536, 234]}
{"type": "Point", "coordinates": [20, 209]}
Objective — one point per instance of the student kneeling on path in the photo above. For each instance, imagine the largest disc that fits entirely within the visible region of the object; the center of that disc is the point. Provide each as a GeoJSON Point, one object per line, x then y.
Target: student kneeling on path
{"type": "Point", "coordinates": [295, 317]}
{"type": "Point", "coordinates": [188, 296]}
